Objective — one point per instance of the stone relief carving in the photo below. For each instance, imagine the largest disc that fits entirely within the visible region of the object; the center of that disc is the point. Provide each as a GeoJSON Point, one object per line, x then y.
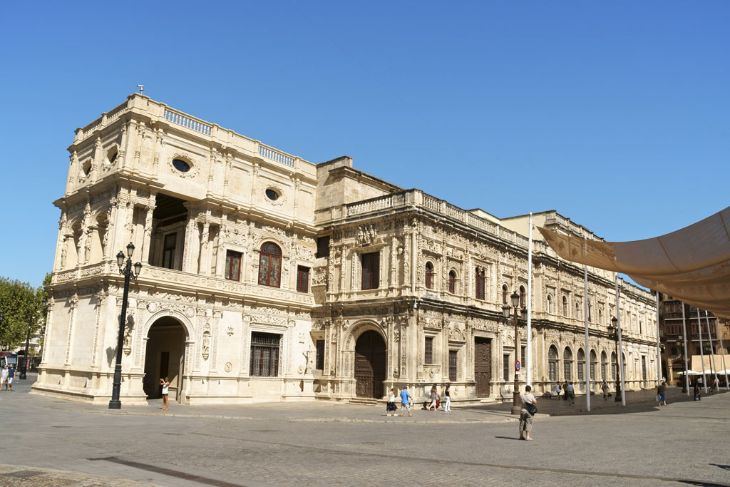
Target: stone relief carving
{"type": "Point", "coordinates": [365, 234]}
{"type": "Point", "coordinates": [205, 344]}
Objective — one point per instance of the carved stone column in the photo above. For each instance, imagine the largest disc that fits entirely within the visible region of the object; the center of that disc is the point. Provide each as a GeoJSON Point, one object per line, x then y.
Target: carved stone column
{"type": "Point", "coordinates": [204, 260]}
{"type": "Point", "coordinates": [190, 248]}
{"type": "Point", "coordinates": [73, 305]}
{"type": "Point", "coordinates": [148, 222]}
{"type": "Point", "coordinates": [60, 256]}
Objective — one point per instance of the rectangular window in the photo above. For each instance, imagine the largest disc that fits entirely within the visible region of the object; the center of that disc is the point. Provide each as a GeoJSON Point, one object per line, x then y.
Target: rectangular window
{"type": "Point", "coordinates": [480, 284]}
{"type": "Point", "coordinates": [428, 354]}
{"type": "Point", "coordinates": [505, 367]}
{"type": "Point", "coordinates": [320, 355]}
{"type": "Point", "coordinates": [168, 251]}
{"type": "Point", "coordinates": [452, 365]}
{"type": "Point", "coordinates": [370, 270]}
{"type": "Point", "coordinates": [265, 354]}
{"type": "Point", "coordinates": [302, 279]}
{"type": "Point", "coordinates": [233, 265]}
{"type": "Point", "coordinates": [523, 351]}
{"type": "Point", "coordinates": [323, 247]}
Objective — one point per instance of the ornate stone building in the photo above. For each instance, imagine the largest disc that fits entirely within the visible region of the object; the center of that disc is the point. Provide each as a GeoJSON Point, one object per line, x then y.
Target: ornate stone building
{"type": "Point", "coordinates": [266, 277]}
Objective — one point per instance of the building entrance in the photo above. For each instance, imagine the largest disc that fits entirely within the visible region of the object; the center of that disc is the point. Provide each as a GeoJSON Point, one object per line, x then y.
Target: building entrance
{"type": "Point", "coordinates": [370, 365]}
{"type": "Point", "coordinates": [165, 357]}
{"type": "Point", "coordinates": [483, 365]}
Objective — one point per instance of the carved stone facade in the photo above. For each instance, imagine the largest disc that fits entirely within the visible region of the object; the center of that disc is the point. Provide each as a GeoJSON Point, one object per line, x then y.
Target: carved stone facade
{"type": "Point", "coordinates": [266, 277]}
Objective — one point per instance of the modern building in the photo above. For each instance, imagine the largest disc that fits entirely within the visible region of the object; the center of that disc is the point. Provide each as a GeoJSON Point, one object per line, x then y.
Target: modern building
{"type": "Point", "coordinates": [267, 277]}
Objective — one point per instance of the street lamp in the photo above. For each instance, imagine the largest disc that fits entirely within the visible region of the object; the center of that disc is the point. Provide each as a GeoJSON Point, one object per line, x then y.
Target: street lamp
{"type": "Point", "coordinates": [506, 309]}
{"type": "Point", "coordinates": [24, 368]}
{"type": "Point", "coordinates": [680, 344]}
{"type": "Point", "coordinates": [613, 333]}
{"type": "Point", "coordinates": [125, 269]}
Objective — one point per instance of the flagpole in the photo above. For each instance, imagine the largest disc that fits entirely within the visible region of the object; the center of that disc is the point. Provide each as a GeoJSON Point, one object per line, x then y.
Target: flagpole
{"type": "Point", "coordinates": [529, 304]}
{"type": "Point", "coordinates": [620, 345]}
{"type": "Point", "coordinates": [587, 362]}
{"type": "Point", "coordinates": [684, 334]}
{"type": "Point", "coordinates": [658, 343]}
{"type": "Point", "coordinates": [712, 348]}
{"type": "Point", "coordinates": [702, 353]}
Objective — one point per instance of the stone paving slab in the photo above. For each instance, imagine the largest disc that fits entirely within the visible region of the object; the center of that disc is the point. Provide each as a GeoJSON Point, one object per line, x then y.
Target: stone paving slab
{"type": "Point", "coordinates": [22, 476]}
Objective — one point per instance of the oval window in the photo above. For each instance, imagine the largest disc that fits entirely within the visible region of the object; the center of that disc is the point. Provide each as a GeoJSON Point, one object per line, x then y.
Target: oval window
{"type": "Point", "coordinates": [272, 194]}
{"type": "Point", "coordinates": [180, 165]}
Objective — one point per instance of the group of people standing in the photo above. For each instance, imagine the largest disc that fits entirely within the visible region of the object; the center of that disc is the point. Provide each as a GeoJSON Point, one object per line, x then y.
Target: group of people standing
{"type": "Point", "coordinates": [7, 375]}
{"type": "Point", "coordinates": [567, 389]}
{"type": "Point", "coordinates": [406, 400]}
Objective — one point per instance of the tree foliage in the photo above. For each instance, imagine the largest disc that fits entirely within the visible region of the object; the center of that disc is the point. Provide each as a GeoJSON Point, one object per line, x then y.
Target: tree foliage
{"type": "Point", "coordinates": [20, 306]}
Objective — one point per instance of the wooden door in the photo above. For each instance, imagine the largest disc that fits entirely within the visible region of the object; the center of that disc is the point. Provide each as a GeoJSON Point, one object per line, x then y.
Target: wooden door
{"type": "Point", "coordinates": [369, 365]}
{"type": "Point", "coordinates": [483, 365]}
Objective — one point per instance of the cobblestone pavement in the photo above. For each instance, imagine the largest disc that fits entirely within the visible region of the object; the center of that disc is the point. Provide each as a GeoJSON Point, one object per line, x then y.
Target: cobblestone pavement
{"type": "Point", "coordinates": [685, 443]}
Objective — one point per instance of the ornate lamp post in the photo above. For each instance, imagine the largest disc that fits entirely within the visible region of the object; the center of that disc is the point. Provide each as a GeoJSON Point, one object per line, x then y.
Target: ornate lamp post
{"type": "Point", "coordinates": [125, 268]}
{"type": "Point", "coordinates": [506, 309]}
{"type": "Point", "coordinates": [613, 333]}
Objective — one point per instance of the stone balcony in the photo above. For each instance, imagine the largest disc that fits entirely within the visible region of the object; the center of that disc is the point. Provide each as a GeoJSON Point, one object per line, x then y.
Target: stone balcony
{"type": "Point", "coordinates": [185, 281]}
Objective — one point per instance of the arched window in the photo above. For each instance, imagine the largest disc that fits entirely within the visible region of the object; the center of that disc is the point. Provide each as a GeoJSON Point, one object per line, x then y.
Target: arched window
{"type": "Point", "coordinates": [429, 275]}
{"type": "Point", "coordinates": [553, 364]}
{"type": "Point", "coordinates": [504, 293]}
{"type": "Point", "coordinates": [614, 366]}
{"type": "Point", "coordinates": [581, 365]}
{"type": "Point", "coordinates": [594, 360]}
{"type": "Point", "coordinates": [568, 364]}
{"type": "Point", "coordinates": [480, 280]}
{"type": "Point", "coordinates": [270, 265]}
{"type": "Point", "coordinates": [600, 315]}
{"type": "Point", "coordinates": [604, 366]}
{"type": "Point", "coordinates": [565, 306]}
{"type": "Point", "coordinates": [549, 304]}
{"type": "Point", "coordinates": [452, 281]}
{"type": "Point", "coordinates": [523, 297]}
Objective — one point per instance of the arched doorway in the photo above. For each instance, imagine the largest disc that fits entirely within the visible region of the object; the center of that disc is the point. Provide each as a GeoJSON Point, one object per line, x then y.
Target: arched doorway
{"type": "Point", "coordinates": [370, 365]}
{"type": "Point", "coordinates": [165, 357]}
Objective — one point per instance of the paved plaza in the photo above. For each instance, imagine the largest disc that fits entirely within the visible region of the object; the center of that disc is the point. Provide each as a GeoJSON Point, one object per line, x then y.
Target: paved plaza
{"type": "Point", "coordinates": [52, 442]}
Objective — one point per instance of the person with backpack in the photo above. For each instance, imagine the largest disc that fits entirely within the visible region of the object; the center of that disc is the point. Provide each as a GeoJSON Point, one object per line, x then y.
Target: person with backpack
{"type": "Point", "coordinates": [529, 409]}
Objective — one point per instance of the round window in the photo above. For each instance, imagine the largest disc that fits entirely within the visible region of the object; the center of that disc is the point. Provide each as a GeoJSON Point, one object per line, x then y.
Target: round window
{"type": "Point", "coordinates": [180, 165]}
{"type": "Point", "coordinates": [272, 194]}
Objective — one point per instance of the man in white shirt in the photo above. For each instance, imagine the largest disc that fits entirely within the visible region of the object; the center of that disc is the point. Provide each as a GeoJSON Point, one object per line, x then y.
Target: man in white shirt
{"type": "Point", "coordinates": [529, 409]}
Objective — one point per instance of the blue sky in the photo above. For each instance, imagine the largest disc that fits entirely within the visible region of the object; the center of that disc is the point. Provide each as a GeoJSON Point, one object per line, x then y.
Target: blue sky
{"type": "Point", "coordinates": [617, 114]}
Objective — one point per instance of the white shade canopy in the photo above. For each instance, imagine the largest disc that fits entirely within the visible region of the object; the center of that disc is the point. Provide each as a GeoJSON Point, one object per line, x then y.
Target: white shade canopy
{"type": "Point", "coordinates": [691, 264]}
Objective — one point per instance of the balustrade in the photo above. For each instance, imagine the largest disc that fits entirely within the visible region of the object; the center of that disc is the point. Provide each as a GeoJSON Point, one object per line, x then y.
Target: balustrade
{"type": "Point", "coordinates": [275, 155]}
{"type": "Point", "coordinates": [195, 125]}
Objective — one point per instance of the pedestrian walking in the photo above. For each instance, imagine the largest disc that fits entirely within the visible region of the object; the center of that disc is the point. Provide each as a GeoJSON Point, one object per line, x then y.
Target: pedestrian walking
{"type": "Point", "coordinates": [390, 408]}
{"type": "Point", "coordinates": [556, 391]}
{"type": "Point", "coordinates": [716, 384]}
{"type": "Point", "coordinates": [529, 409]}
{"type": "Point", "coordinates": [697, 392]}
{"type": "Point", "coordinates": [604, 388]}
{"type": "Point", "coordinates": [565, 391]}
{"type": "Point", "coordinates": [11, 376]}
{"type": "Point", "coordinates": [4, 378]}
{"type": "Point", "coordinates": [165, 383]}
{"type": "Point", "coordinates": [447, 401]}
{"type": "Point", "coordinates": [571, 393]}
{"type": "Point", "coordinates": [434, 404]}
{"type": "Point", "coordinates": [661, 393]}
{"type": "Point", "coordinates": [405, 401]}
